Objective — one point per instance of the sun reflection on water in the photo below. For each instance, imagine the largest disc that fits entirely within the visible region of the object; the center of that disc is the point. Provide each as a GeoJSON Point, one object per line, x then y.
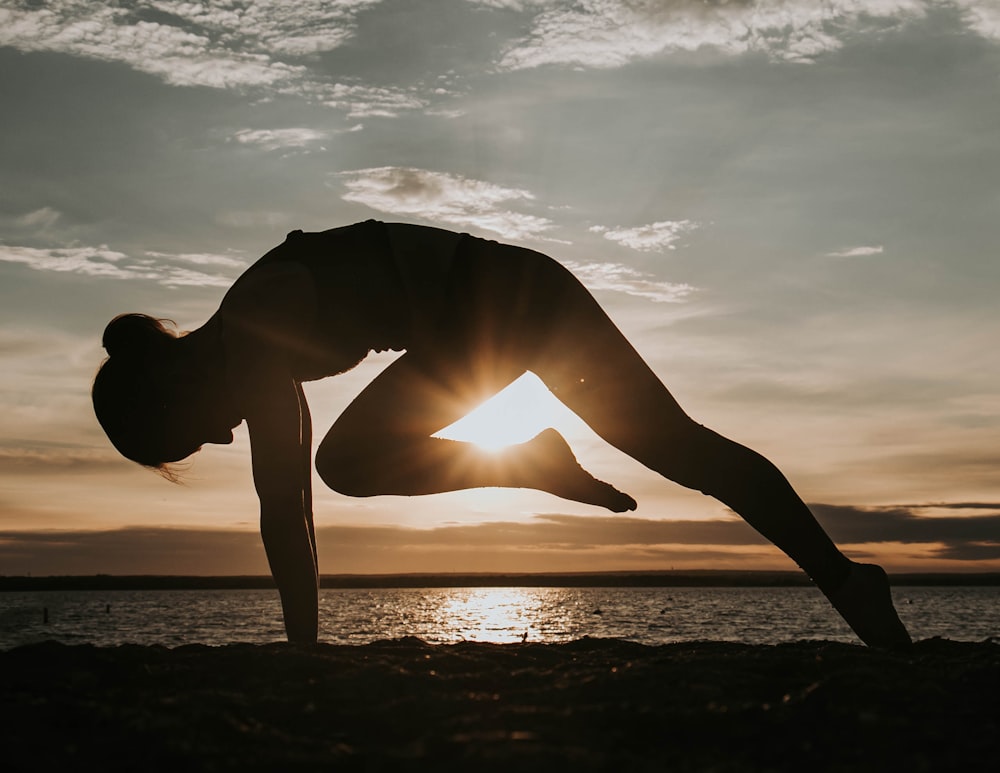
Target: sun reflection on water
{"type": "Point", "coordinates": [499, 615]}
{"type": "Point", "coordinates": [358, 616]}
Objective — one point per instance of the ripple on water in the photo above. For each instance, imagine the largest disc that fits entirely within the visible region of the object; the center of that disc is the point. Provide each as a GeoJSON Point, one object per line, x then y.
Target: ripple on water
{"type": "Point", "coordinates": [501, 615]}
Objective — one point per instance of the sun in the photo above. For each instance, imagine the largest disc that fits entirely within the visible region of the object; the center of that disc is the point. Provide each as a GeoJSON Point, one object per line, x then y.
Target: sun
{"type": "Point", "coordinates": [515, 414]}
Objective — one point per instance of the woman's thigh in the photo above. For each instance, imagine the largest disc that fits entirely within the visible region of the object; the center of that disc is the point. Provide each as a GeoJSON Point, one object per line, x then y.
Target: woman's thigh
{"type": "Point", "coordinates": [589, 364]}
{"type": "Point", "coordinates": [535, 312]}
{"type": "Point", "coordinates": [415, 397]}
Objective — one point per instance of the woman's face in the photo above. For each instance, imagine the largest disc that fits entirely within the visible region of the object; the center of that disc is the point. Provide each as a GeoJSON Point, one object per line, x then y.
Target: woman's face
{"type": "Point", "coordinates": [202, 411]}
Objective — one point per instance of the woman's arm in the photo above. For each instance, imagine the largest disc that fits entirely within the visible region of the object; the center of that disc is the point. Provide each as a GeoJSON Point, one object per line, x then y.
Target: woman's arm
{"type": "Point", "coordinates": [280, 446]}
{"type": "Point", "coordinates": [263, 317]}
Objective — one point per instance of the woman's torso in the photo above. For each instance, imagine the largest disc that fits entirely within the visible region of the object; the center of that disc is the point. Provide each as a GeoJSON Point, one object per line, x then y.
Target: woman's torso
{"type": "Point", "coordinates": [373, 286]}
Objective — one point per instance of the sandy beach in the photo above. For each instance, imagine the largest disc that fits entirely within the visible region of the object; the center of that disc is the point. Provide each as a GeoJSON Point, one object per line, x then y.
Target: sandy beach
{"type": "Point", "coordinates": [587, 705]}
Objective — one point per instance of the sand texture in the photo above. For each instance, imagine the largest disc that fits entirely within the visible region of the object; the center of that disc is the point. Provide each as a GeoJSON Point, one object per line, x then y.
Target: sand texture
{"type": "Point", "coordinates": [583, 706]}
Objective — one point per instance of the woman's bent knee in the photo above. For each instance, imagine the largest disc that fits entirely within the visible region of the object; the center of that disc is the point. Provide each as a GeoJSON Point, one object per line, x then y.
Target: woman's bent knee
{"type": "Point", "coordinates": [343, 468]}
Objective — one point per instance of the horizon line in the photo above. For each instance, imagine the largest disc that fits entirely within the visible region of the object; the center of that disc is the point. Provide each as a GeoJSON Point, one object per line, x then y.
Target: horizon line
{"type": "Point", "coordinates": [625, 578]}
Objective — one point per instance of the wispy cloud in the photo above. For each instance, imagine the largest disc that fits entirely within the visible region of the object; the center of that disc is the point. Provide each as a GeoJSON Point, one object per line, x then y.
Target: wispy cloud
{"type": "Point", "coordinates": [294, 29]}
{"type": "Point", "coordinates": [362, 101]}
{"type": "Point", "coordinates": [91, 261]}
{"type": "Point", "coordinates": [199, 258]}
{"type": "Point", "coordinates": [106, 263]}
{"type": "Point", "coordinates": [40, 219]}
{"type": "Point", "coordinates": [444, 198]}
{"type": "Point", "coordinates": [277, 139]}
{"type": "Point", "coordinates": [624, 279]}
{"type": "Point", "coordinates": [166, 44]}
{"type": "Point", "coordinates": [611, 33]}
{"type": "Point", "coordinates": [654, 237]}
{"type": "Point", "coordinates": [48, 460]}
{"type": "Point", "coordinates": [30, 225]}
{"type": "Point", "coordinates": [983, 18]}
{"type": "Point", "coordinates": [257, 46]}
{"type": "Point", "coordinates": [857, 252]}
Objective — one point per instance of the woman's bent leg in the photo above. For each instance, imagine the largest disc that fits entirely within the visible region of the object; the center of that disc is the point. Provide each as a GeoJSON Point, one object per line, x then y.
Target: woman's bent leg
{"type": "Point", "coordinates": [382, 443]}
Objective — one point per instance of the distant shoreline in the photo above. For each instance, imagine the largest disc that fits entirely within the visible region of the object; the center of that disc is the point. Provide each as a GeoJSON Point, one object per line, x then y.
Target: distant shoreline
{"type": "Point", "coordinates": [696, 579]}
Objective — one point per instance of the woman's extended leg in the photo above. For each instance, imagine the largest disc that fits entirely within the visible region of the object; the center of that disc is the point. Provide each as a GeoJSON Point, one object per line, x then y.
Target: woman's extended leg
{"type": "Point", "coordinates": [592, 368]}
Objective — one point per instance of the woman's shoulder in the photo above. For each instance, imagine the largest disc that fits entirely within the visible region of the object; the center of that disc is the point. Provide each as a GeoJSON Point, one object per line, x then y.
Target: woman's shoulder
{"type": "Point", "coordinates": [268, 285]}
{"type": "Point", "coordinates": [271, 301]}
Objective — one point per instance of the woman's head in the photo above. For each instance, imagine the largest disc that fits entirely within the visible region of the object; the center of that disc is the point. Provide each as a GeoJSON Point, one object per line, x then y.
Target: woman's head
{"type": "Point", "coordinates": [132, 397]}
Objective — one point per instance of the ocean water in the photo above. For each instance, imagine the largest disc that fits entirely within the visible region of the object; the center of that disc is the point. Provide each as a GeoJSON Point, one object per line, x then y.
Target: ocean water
{"type": "Point", "coordinates": [502, 615]}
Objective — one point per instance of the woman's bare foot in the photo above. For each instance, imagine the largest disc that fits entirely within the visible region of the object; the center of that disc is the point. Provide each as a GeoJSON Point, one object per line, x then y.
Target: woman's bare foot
{"type": "Point", "coordinates": [865, 602]}
{"type": "Point", "coordinates": [547, 463]}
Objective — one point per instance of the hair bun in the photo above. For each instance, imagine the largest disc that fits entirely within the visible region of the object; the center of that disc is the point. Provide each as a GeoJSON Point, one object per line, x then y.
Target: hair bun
{"type": "Point", "coordinates": [130, 336]}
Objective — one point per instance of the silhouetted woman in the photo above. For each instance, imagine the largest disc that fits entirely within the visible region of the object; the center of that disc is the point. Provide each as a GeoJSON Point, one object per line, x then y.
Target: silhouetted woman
{"type": "Point", "coordinates": [472, 316]}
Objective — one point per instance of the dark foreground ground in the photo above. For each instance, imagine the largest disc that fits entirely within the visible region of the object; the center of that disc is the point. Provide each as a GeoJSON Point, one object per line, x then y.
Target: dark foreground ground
{"type": "Point", "coordinates": [583, 706]}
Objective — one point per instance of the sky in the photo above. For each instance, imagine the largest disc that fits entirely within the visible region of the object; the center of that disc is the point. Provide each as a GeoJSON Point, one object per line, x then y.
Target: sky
{"type": "Point", "coordinates": [790, 208]}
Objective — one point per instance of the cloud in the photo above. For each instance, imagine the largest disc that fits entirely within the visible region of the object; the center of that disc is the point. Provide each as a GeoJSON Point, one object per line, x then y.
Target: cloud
{"type": "Point", "coordinates": [654, 237]}
{"type": "Point", "coordinates": [846, 524]}
{"type": "Point", "coordinates": [857, 252]}
{"type": "Point", "coordinates": [182, 57]}
{"type": "Point", "coordinates": [295, 29]}
{"type": "Point", "coordinates": [12, 343]}
{"type": "Point", "coordinates": [611, 33]}
{"type": "Point", "coordinates": [201, 258]}
{"type": "Point", "coordinates": [40, 219]}
{"type": "Point", "coordinates": [963, 537]}
{"type": "Point", "coordinates": [487, 547]}
{"type": "Point", "coordinates": [217, 44]}
{"type": "Point", "coordinates": [106, 263]}
{"type": "Point", "coordinates": [90, 261]}
{"type": "Point", "coordinates": [275, 139]}
{"type": "Point", "coordinates": [983, 18]}
{"type": "Point", "coordinates": [958, 537]}
{"type": "Point", "coordinates": [550, 542]}
{"type": "Point", "coordinates": [444, 198]}
{"type": "Point", "coordinates": [624, 279]}
{"type": "Point", "coordinates": [136, 551]}
{"type": "Point", "coordinates": [142, 550]}
{"type": "Point", "coordinates": [362, 101]}
{"type": "Point", "coordinates": [56, 460]}
{"type": "Point", "coordinates": [511, 5]}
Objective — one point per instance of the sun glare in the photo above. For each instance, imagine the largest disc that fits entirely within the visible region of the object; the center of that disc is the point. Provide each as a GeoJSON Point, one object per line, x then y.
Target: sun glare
{"type": "Point", "coordinates": [499, 615]}
{"type": "Point", "coordinates": [513, 415]}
